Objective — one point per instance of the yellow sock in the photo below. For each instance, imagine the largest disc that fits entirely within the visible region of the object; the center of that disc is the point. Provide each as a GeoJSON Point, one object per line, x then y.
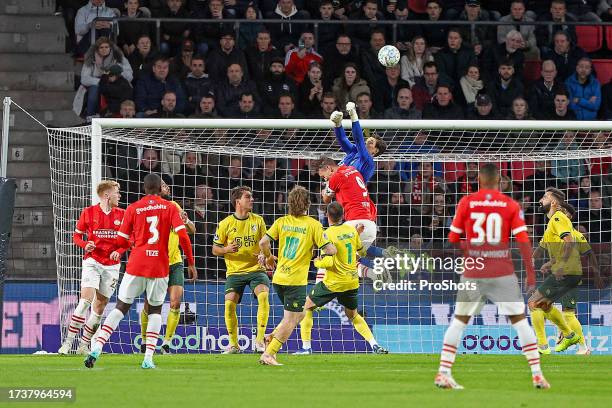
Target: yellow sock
{"type": "Point", "coordinates": [173, 320]}
{"type": "Point", "coordinates": [231, 322]}
{"type": "Point", "coordinates": [263, 311]}
{"type": "Point", "coordinates": [362, 327]}
{"type": "Point", "coordinates": [274, 346]}
{"type": "Point", "coordinates": [574, 324]}
{"type": "Point", "coordinates": [537, 321]}
{"type": "Point", "coordinates": [555, 316]}
{"type": "Point", "coordinates": [306, 326]}
{"type": "Point", "coordinates": [144, 321]}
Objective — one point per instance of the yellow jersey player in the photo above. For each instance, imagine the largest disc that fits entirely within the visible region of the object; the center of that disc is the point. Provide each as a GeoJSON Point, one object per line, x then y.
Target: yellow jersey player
{"type": "Point", "coordinates": [236, 239]}
{"type": "Point", "coordinates": [297, 234]}
{"type": "Point", "coordinates": [568, 301]}
{"type": "Point", "coordinates": [566, 267]}
{"type": "Point", "coordinates": [176, 280]}
{"type": "Point", "coordinates": [341, 280]}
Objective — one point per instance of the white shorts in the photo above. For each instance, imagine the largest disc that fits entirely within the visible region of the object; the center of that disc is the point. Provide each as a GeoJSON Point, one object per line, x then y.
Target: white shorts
{"type": "Point", "coordinates": [103, 278]}
{"type": "Point", "coordinates": [504, 291]}
{"type": "Point", "coordinates": [133, 286]}
{"type": "Point", "coordinates": [368, 236]}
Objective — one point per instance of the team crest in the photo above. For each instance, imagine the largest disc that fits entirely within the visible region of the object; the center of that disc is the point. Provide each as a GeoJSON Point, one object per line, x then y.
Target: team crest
{"type": "Point", "coordinates": [522, 215]}
{"type": "Point", "coordinates": [253, 227]}
{"type": "Point", "coordinates": [117, 222]}
{"type": "Point", "coordinates": [216, 237]}
{"type": "Point", "coordinates": [557, 219]}
{"type": "Point", "coordinates": [488, 197]}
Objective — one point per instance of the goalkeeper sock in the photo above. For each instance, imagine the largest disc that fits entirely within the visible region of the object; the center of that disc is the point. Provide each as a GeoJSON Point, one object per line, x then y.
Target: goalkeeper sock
{"type": "Point", "coordinates": [107, 329]}
{"type": "Point", "coordinates": [575, 326]}
{"type": "Point", "coordinates": [231, 322]}
{"type": "Point", "coordinates": [555, 316]}
{"type": "Point", "coordinates": [537, 320]}
{"type": "Point", "coordinates": [306, 329]}
{"type": "Point", "coordinates": [263, 311]}
{"type": "Point", "coordinates": [153, 328]}
{"type": "Point", "coordinates": [362, 328]}
{"type": "Point", "coordinates": [452, 336]}
{"type": "Point", "coordinates": [77, 320]}
{"type": "Point", "coordinates": [274, 346]}
{"type": "Point", "coordinates": [171, 323]}
{"type": "Point", "coordinates": [90, 327]}
{"type": "Point", "coordinates": [528, 342]}
{"type": "Point", "coordinates": [375, 252]}
{"type": "Point", "coordinates": [144, 320]}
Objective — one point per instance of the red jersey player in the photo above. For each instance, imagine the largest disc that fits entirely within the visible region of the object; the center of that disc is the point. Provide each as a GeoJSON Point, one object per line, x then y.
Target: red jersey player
{"type": "Point", "coordinates": [101, 263]}
{"type": "Point", "coordinates": [147, 222]}
{"type": "Point", "coordinates": [488, 218]}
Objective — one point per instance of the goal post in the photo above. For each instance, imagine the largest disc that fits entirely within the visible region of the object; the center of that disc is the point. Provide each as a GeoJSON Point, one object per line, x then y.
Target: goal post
{"type": "Point", "coordinates": [427, 167]}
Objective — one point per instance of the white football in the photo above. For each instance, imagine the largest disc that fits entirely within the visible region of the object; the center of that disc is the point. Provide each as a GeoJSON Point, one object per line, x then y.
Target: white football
{"type": "Point", "coordinates": [389, 56]}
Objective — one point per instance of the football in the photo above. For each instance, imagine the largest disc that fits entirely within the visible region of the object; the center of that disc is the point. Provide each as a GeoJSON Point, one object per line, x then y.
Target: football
{"type": "Point", "coordinates": [389, 56]}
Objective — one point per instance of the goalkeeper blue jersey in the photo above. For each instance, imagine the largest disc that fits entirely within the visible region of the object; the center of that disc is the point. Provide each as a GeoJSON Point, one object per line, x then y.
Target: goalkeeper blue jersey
{"type": "Point", "coordinates": [356, 155]}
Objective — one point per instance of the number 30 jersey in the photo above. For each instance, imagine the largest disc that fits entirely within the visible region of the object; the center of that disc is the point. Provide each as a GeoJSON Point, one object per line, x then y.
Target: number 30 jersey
{"type": "Point", "coordinates": [148, 222]}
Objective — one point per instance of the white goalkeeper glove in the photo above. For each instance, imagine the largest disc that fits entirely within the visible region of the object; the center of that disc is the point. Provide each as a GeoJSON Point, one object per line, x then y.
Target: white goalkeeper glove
{"type": "Point", "coordinates": [352, 111]}
{"type": "Point", "coordinates": [327, 191]}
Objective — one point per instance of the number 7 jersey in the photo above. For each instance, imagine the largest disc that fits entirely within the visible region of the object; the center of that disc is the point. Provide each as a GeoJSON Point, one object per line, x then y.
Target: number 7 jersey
{"type": "Point", "coordinates": [148, 222]}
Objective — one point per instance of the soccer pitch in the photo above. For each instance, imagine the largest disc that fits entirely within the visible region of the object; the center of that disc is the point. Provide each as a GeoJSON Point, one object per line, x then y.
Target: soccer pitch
{"type": "Point", "coordinates": [358, 380]}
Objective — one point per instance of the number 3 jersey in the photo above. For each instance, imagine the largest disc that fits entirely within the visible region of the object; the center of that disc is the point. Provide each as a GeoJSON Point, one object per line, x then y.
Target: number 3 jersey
{"type": "Point", "coordinates": [488, 218]}
{"type": "Point", "coordinates": [149, 222]}
{"type": "Point", "coordinates": [246, 233]}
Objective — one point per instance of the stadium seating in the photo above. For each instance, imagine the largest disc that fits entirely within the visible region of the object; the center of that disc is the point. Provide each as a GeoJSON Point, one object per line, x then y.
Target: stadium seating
{"type": "Point", "coordinates": [609, 37]}
{"type": "Point", "coordinates": [603, 68]}
{"type": "Point", "coordinates": [590, 38]}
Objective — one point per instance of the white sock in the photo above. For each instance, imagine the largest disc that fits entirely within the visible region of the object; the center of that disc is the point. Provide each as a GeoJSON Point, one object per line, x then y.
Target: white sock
{"type": "Point", "coordinates": [153, 328]}
{"type": "Point", "coordinates": [452, 337]}
{"type": "Point", "coordinates": [107, 329]}
{"type": "Point", "coordinates": [90, 327]}
{"type": "Point", "coordinates": [306, 345]}
{"type": "Point", "coordinates": [529, 343]}
{"type": "Point", "coordinates": [364, 271]}
{"type": "Point", "coordinates": [320, 275]}
{"type": "Point", "coordinates": [373, 343]}
{"type": "Point", "coordinates": [77, 320]}
{"type": "Point", "coordinates": [581, 346]}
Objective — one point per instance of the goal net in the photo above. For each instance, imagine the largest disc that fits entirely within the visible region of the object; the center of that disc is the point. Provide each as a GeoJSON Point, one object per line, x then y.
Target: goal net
{"type": "Point", "coordinates": [427, 168]}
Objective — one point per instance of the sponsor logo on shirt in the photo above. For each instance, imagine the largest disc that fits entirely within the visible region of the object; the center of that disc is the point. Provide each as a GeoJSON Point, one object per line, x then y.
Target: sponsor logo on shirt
{"type": "Point", "coordinates": [105, 233]}
{"type": "Point", "coordinates": [151, 208]}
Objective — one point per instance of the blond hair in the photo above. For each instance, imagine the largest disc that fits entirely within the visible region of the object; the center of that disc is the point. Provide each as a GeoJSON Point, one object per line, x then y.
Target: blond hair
{"type": "Point", "coordinates": [106, 185]}
{"type": "Point", "coordinates": [299, 201]}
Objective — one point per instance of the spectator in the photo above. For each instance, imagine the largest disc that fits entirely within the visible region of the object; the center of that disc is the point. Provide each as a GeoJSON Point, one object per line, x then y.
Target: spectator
{"type": "Point", "coordinates": [286, 35]}
{"type": "Point", "coordinates": [568, 170]}
{"type": "Point", "coordinates": [206, 109]}
{"type": "Point", "coordinates": [207, 35]}
{"type": "Point", "coordinates": [519, 110]}
{"type": "Point", "coordinates": [349, 85]}
{"type": "Point", "coordinates": [298, 59]}
{"type": "Point", "coordinates": [385, 182]}
{"type": "Point", "coordinates": [597, 218]}
{"type": "Point", "coordinates": [564, 55]}
{"type": "Point", "coordinates": [336, 57]}
{"type": "Point", "coordinates": [276, 84]}
{"type": "Point", "coordinates": [246, 107]}
{"type": "Point", "coordinates": [482, 109]}
{"type": "Point", "coordinates": [168, 107]}
{"type": "Point", "coordinates": [482, 36]}
{"type": "Point", "coordinates": [310, 91]}
{"type": "Point", "coordinates": [260, 55]}
{"type": "Point", "coordinates": [505, 185]}
{"type": "Point", "coordinates": [268, 185]}
{"type": "Point", "coordinates": [180, 65]}
{"type": "Point", "coordinates": [197, 83]}
{"type": "Point", "coordinates": [452, 9]}
{"type": "Point", "coordinates": [415, 58]}
{"type": "Point", "coordinates": [192, 173]}
{"type": "Point", "coordinates": [173, 33]}
{"type": "Point", "coordinates": [542, 91]}
{"type": "Point", "coordinates": [151, 88]}
{"type": "Point", "coordinates": [435, 34]}
{"type": "Point", "coordinates": [328, 106]}
{"type": "Point", "coordinates": [580, 200]}
{"type": "Point", "coordinates": [229, 91]}
{"type": "Point", "coordinates": [286, 108]}
{"type": "Point", "coordinates": [118, 157]}
{"type": "Point", "coordinates": [227, 54]}
{"type": "Point", "coordinates": [518, 15]}
{"type": "Point", "coordinates": [405, 107]}
{"type": "Point", "coordinates": [142, 58]}
{"type": "Point", "coordinates": [471, 85]}
{"type": "Point", "coordinates": [115, 89]}
{"type": "Point", "coordinates": [247, 35]}
{"type": "Point", "coordinates": [373, 71]}
{"type": "Point", "coordinates": [561, 106]}
{"type": "Point", "coordinates": [455, 58]}
{"type": "Point", "coordinates": [466, 183]}
{"type": "Point", "coordinates": [510, 50]}
{"type": "Point", "coordinates": [149, 163]}
{"type": "Point", "coordinates": [437, 219]}
{"type": "Point", "coordinates": [364, 107]}
{"type": "Point", "coordinates": [98, 60]}
{"type": "Point", "coordinates": [558, 15]}
{"type": "Point", "coordinates": [505, 88]}
{"type": "Point", "coordinates": [131, 31]}
{"type": "Point", "coordinates": [385, 93]}
{"type": "Point", "coordinates": [361, 33]}
{"type": "Point", "coordinates": [584, 10]}
{"type": "Point", "coordinates": [421, 188]}
{"type": "Point", "coordinates": [84, 23]}
{"type": "Point", "coordinates": [328, 33]}
{"type": "Point", "coordinates": [584, 90]}
{"type": "Point", "coordinates": [418, 145]}
{"type": "Point", "coordinates": [442, 105]}
{"type": "Point", "coordinates": [424, 89]}
{"type": "Point", "coordinates": [541, 179]}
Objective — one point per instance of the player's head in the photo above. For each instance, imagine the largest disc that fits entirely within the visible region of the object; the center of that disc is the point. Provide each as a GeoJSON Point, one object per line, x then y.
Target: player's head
{"type": "Point", "coordinates": [553, 199]}
{"type": "Point", "coordinates": [242, 198]}
{"type": "Point", "coordinates": [335, 212]}
{"type": "Point", "coordinates": [327, 167]}
{"type": "Point", "coordinates": [488, 176]}
{"type": "Point", "coordinates": [152, 184]}
{"type": "Point", "coordinates": [108, 191]}
{"type": "Point", "coordinates": [568, 209]}
{"type": "Point", "coordinates": [299, 201]}
{"type": "Point", "coordinates": [376, 145]}
{"type": "Point", "coordinates": [165, 190]}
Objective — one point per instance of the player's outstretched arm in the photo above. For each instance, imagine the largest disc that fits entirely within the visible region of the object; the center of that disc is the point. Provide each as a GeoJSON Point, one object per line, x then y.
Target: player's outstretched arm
{"type": "Point", "coordinates": [345, 143]}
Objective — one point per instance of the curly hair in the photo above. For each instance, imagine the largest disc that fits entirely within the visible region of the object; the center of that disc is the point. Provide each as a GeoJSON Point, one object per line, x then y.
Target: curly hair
{"type": "Point", "coordinates": [299, 201]}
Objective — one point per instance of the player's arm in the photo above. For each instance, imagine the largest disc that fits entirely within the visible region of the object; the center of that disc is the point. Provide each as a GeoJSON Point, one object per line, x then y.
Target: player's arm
{"type": "Point", "coordinates": [360, 141]}
{"type": "Point", "coordinates": [322, 242]}
{"type": "Point", "coordinates": [184, 241]}
{"type": "Point", "coordinates": [324, 262]}
{"type": "Point", "coordinates": [343, 141]}
{"type": "Point", "coordinates": [219, 247]}
{"type": "Point", "coordinates": [328, 192]}
{"type": "Point", "coordinates": [266, 258]}
{"type": "Point", "coordinates": [457, 227]}
{"type": "Point", "coordinates": [79, 233]}
{"type": "Point", "coordinates": [123, 235]}
{"type": "Point", "coordinates": [189, 225]}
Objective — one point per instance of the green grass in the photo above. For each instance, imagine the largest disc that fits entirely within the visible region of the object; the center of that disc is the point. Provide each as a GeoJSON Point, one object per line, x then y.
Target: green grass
{"type": "Point", "coordinates": [362, 380]}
